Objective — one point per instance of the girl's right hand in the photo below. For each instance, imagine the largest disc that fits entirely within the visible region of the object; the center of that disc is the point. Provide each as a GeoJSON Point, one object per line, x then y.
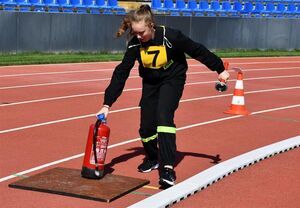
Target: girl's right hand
{"type": "Point", "coordinates": [104, 110]}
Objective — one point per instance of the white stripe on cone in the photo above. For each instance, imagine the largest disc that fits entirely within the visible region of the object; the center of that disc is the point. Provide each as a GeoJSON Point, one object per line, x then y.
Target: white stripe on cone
{"type": "Point", "coordinates": [239, 85]}
{"type": "Point", "coordinates": [238, 100]}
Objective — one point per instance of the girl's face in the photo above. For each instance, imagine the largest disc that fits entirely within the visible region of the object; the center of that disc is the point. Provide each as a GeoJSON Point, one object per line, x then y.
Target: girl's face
{"type": "Point", "coordinates": [142, 30]}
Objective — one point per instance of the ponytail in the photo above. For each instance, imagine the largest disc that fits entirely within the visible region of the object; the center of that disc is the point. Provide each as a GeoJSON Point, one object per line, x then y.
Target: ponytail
{"type": "Point", "coordinates": [126, 23]}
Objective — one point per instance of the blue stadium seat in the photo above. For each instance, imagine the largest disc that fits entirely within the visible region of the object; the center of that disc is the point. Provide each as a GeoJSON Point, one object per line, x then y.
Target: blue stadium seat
{"type": "Point", "coordinates": [203, 8]}
{"type": "Point", "coordinates": [298, 10]}
{"type": "Point", "coordinates": [113, 4]}
{"type": "Point", "coordinates": [50, 6]}
{"type": "Point", "coordinates": [193, 6]}
{"type": "Point", "coordinates": [37, 5]}
{"type": "Point", "coordinates": [8, 5]}
{"type": "Point", "coordinates": [226, 9]}
{"type": "Point", "coordinates": [167, 7]}
{"type": "Point", "coordinates": [94, 7]}
{"type": "Point", "coordinates": [89, 5]}
{"type": "Point", "coordinates": [103, 8]}
{"type": "Point", "coordinates": [64, 6]}
{"type": "Point", "coordinates": [269, 11]}
{"type": "Point", "coordinates": [215, 8]}
{"type": "Point", "coordinates": [247, 10]}
{"type": "Point", "coordinates": [18, 5]}
{"type": "Point", "coordinates": [232, 10]}
{"type": "Point", "coordinates": [237, 7]}
{"type": "Point", "coordinates": [22, 5]}
{"type": "Point", "coordinates": [78, 7]}
{"type": "Point", "coordinates": [180, 8]}
{"type": "Point", "coordinates": [189, 10]}
{"type": "Point", "coordinates": [155, 4]}
{"type": "Point", "coordinates": [180, 4]}
{"type": "Point", "coordinates": [280, 10]}
{"type": "Point", "coordinates": [258, 9]}
{"type": "Point", "coordinates": [291, 10]}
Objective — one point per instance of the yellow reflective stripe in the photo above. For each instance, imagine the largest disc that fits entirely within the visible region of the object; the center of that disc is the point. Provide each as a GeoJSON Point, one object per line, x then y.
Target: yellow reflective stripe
{"type": "Point", "coordinates": [167, 65]}
{"type": "Point", "coordinates": [149, 138]}
{"type": "Point", "coordinates": [166, 129]}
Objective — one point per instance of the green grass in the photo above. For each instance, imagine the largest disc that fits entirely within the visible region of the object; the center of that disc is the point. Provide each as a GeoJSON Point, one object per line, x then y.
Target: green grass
{"type": "Point", "coordinates": [256, 53]}
{"type": "Point", "coordinates": [52, 58]}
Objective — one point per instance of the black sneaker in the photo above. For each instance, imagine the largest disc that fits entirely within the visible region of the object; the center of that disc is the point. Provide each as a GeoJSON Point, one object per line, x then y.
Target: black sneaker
{"type": "Point", "coordinates": [148, 165]}
{"type": "Point", "coordinates": [167, 177]}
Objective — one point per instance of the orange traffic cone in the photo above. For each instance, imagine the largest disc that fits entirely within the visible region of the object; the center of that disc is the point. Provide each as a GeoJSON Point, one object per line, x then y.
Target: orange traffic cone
{"type": "Point", "coordinates": [238, 101]}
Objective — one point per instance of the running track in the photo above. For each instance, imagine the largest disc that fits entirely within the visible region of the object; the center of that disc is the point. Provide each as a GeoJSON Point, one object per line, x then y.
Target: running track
{"type": "Point", "coordinates": [46, 111]}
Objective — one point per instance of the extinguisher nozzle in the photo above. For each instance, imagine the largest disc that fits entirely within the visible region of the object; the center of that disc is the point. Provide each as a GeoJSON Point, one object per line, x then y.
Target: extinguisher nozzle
{"type": "Point", "coordinates": [101, 117]}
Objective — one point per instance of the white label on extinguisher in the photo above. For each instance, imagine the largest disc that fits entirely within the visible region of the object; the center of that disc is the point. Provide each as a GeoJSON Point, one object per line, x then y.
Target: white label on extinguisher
{"type": "Point", "coordinates": [101, 147]}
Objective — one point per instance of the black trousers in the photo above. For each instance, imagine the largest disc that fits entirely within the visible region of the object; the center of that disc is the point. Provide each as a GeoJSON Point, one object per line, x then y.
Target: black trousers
{"type": "Point", "coordinates": [158, 105]}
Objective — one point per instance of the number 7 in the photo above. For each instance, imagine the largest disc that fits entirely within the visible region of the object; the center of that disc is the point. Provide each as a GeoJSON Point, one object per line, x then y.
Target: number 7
{"type": "Point", "coordinates": [156, 52]}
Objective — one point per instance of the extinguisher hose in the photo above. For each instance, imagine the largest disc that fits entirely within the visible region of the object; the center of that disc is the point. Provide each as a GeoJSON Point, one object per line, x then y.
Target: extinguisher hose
{"type": "Point", "coordinates": [97, 124]}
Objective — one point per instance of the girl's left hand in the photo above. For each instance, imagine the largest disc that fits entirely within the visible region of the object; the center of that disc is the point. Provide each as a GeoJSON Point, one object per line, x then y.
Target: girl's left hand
{"type": "Point", "coordinates": [224, 75]}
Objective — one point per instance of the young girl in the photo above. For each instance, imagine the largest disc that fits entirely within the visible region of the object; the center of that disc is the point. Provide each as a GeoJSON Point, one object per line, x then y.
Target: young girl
{"type": "Point", "coordinates": [160, 52]}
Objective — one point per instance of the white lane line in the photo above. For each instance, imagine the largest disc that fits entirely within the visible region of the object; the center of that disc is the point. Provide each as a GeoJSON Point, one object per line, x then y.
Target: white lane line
{"type": "Point", "coordinates": [111, 69]}
{"type": "Point", "coordinates": [62, 120]}
{"type": "Point", "coordinates": [58, 83]}
{"type": "Point", "coordinates": [134, 108]}
{"type": "Point", "coordinates": [137, 139]}
{"type": "Point", "coordinates": [59, 72]}
{"type": "Point", "coordinates": [126, 90]}
{"type": "Point", "coordinates": [214, 174]}
{"type": "Point", "coordinates": [63, 97]}
{"type": "Point", "coordinates": [250, 92]}
{"type": "Point", "coordinates": [274, 77]}
{"type": "Point", "coordinates": [259, 62]}
{"type": "Point", "coordinates": [130, 77]}
{"type": "Point", "coordinates": [132, 89]}
{"type": "Point", "coordinates": [189, 60]}
{"type": "Point", "coordinates": [60, 64]}
{"type": "Point", "coordinates": [266, 57]}
{"type": "Point", "coordinates": [247, 79]}
{"type": "Point", "coordinates": [249, 70]}
{"type": "Point", "coordinates": [54, 83]}
{"type": "Point", "coordinates": [61, 161]}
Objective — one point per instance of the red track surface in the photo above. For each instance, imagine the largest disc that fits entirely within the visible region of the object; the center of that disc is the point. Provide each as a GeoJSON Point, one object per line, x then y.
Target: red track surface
{"type": "Point", "coordinates": [271, 183]}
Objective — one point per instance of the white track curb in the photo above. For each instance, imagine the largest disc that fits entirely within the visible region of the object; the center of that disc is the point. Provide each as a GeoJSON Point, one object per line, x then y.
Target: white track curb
{"type": "Point", "coordinates": [206, 178]}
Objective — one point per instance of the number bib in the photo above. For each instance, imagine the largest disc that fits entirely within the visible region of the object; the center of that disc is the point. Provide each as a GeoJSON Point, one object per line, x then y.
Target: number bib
{"type": "Point", "coordinates": [154, 57]}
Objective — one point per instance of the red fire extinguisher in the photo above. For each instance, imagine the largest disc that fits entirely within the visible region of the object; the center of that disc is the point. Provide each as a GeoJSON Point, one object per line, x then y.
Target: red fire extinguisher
{"type": "Point", "coordinates": [96, 148]}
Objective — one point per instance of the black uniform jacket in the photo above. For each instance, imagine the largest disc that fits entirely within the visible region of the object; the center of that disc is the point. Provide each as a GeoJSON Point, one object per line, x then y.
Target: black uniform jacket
{"type": "Point", "coordinates": [156, 63]}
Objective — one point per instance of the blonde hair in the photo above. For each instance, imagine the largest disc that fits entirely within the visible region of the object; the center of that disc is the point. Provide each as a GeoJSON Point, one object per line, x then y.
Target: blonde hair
{"type": "Point", "coordinates": [142, 13]}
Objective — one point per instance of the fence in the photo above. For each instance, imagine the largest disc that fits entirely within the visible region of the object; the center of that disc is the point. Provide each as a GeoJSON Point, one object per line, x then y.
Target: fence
{"type": "Point", "coordinates": [45, 32]}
